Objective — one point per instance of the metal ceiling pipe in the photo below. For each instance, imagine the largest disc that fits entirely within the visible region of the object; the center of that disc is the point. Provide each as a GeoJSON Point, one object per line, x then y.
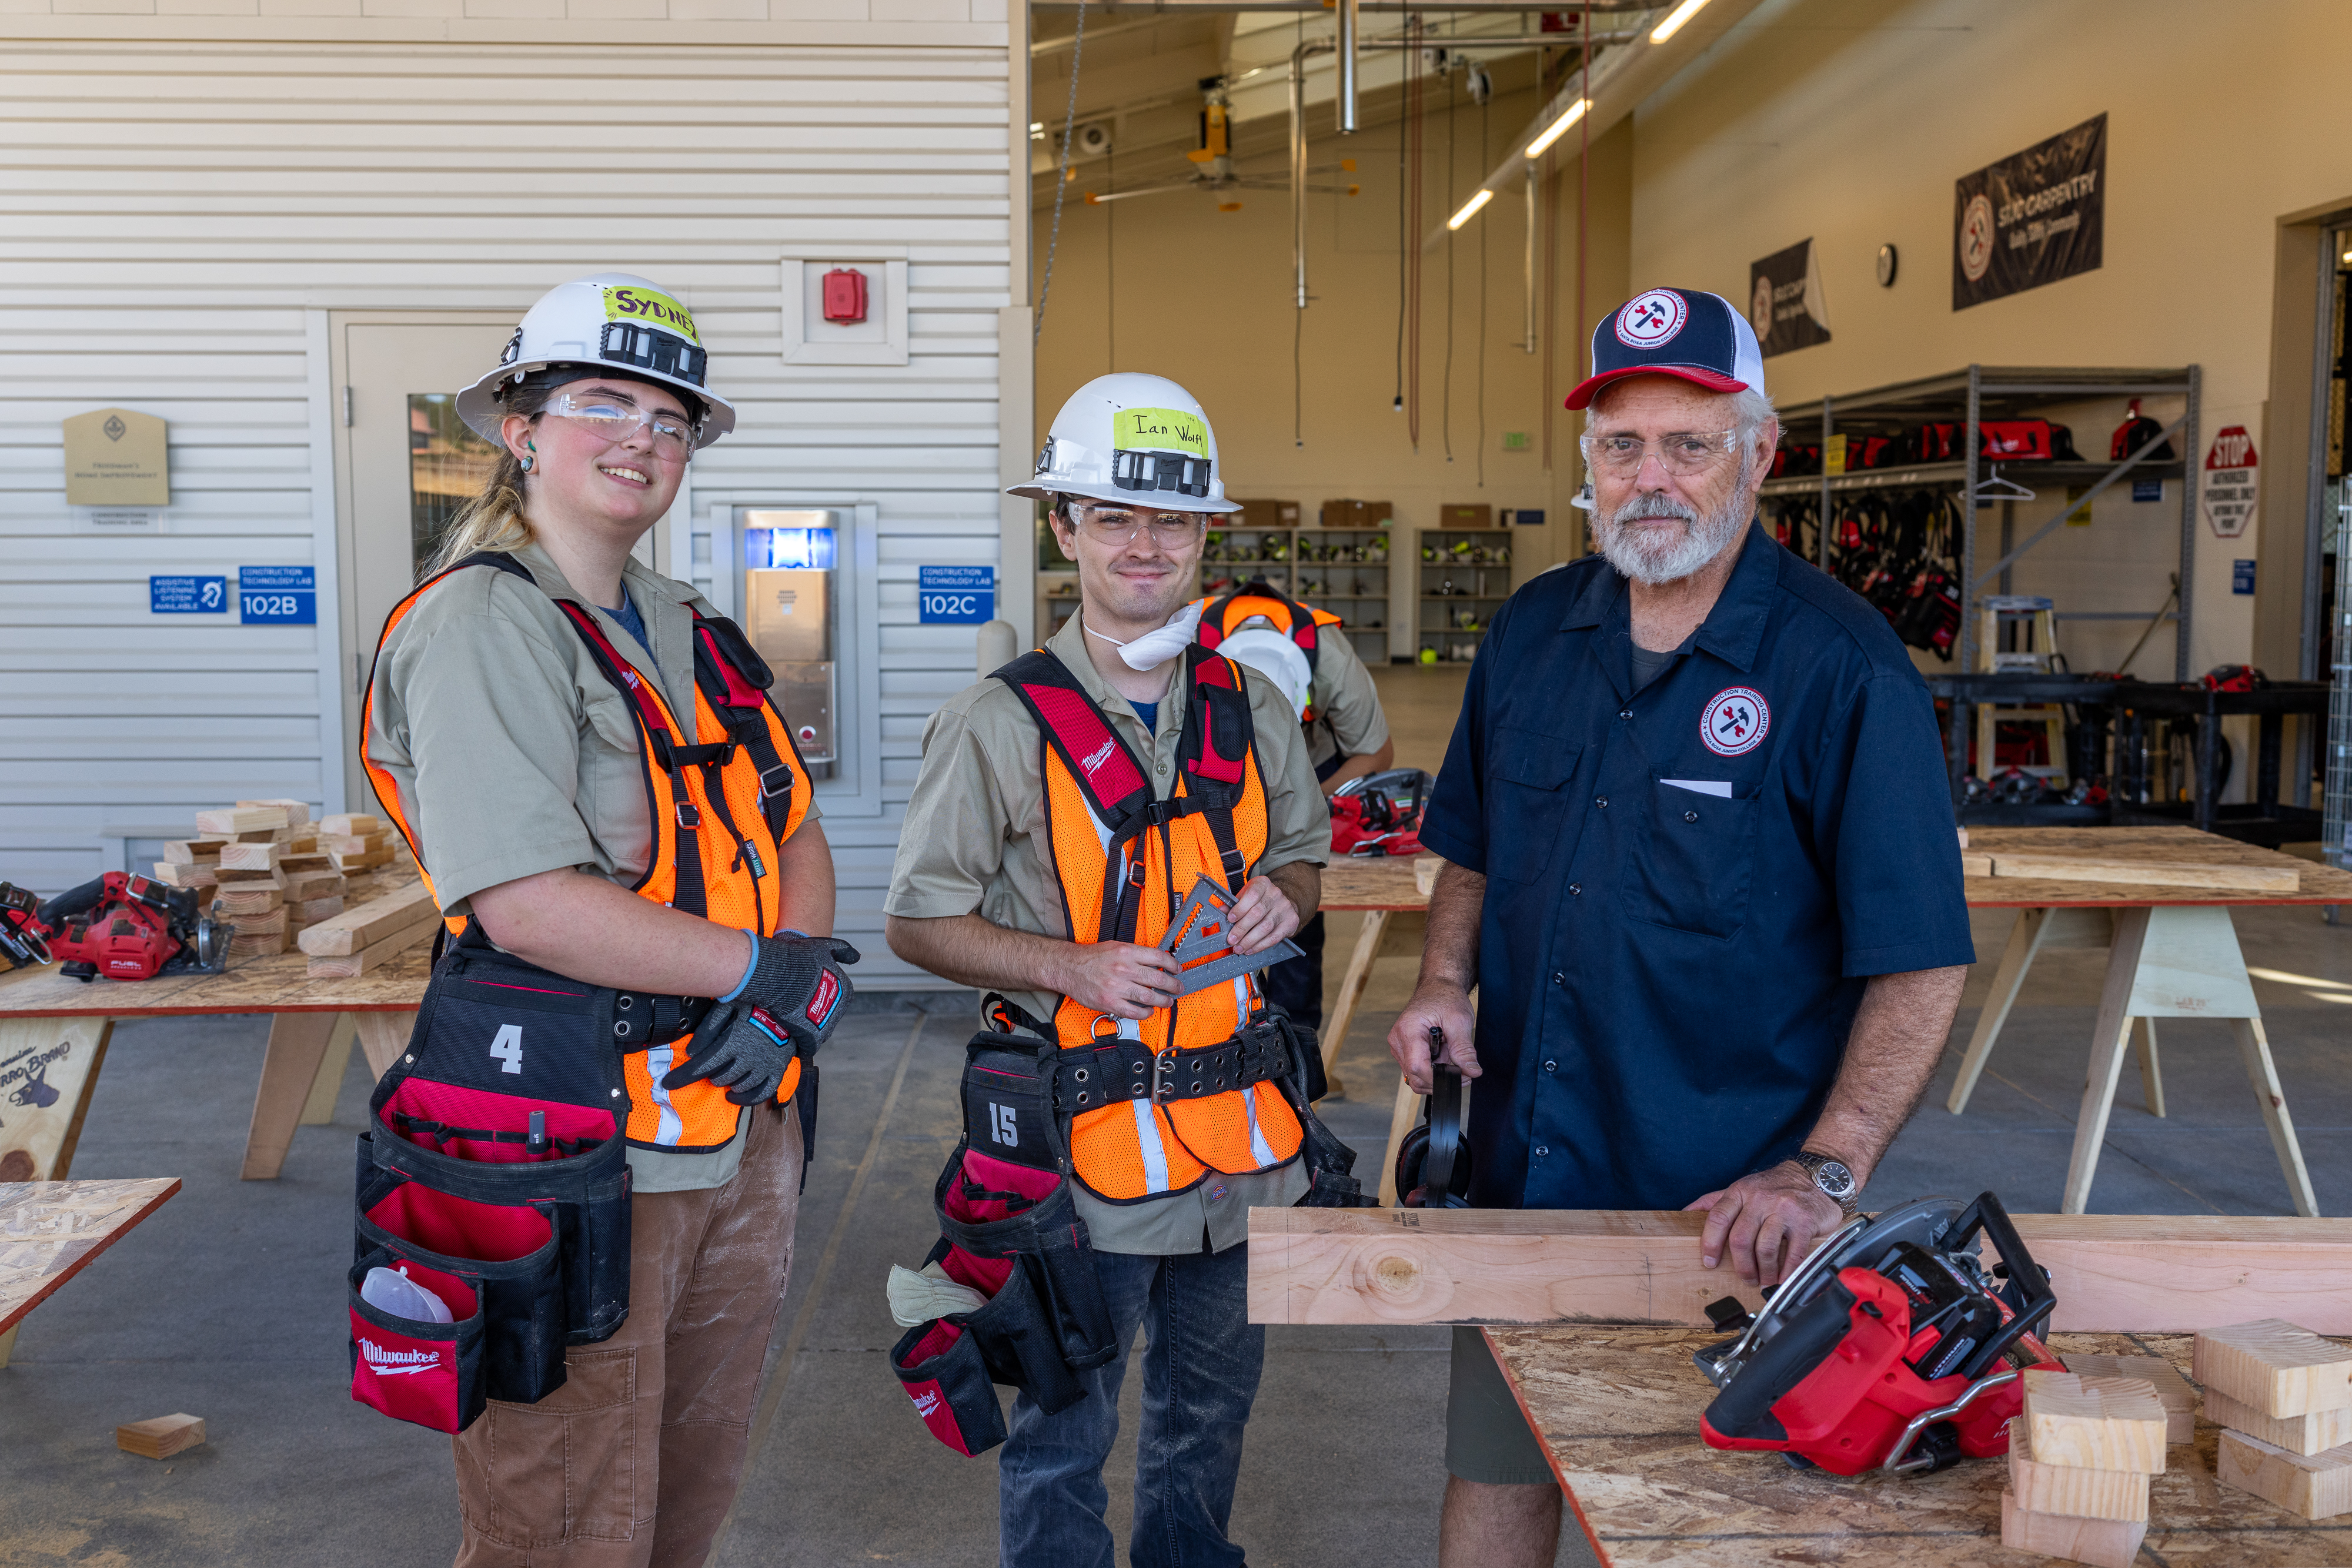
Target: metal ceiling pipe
{"type": "Point", "coordinates": [1527, 337]}
{"type": "Point", "coordinates": [1298, 162]}
{"type": "Point", "coordinates": [1348, 66]}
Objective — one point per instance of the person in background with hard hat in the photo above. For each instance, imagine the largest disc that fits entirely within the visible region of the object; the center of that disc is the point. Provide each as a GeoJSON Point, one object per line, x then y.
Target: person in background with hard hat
{"type": "Point", "coordinates": [531, 701]}
{"type": "Point", "coordinates": [1314, 665]}
{"type": "Point", "coordinates": [1003, 889]}
{"type": "Point", "coordinates": [1699, 865]}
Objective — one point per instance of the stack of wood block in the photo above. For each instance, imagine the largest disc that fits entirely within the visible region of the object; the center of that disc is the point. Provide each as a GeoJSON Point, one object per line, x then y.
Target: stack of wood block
{"type": "Point", "coordinates": [262, 864]}
{"type": "Point", "coordinates": [2283, 1396]}
{"type": "Point", "coordinates": [364, 936]}
{"type": "Point", "coordinates": [2079, 1462]}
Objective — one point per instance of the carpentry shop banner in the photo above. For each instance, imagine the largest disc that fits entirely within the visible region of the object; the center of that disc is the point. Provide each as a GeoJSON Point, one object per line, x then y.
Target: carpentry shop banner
{"type": "Point", "coordinates": [1785, 304]}
{"type": "Point", "coordinates": [2033, 218]}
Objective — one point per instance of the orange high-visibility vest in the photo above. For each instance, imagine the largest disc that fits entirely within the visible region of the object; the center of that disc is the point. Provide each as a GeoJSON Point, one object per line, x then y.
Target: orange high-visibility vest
{"type": "Point", "coordinates": [1126, 861]}
{"type": "Point", "coordinates": [1221, 618]}
{"type": "Point", "coordinates": [722, 807]}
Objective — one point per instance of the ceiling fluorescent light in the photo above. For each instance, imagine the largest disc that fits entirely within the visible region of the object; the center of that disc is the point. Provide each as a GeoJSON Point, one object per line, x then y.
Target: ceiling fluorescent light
{"type": "Point", "coordinates": [1552, 132]}
{"type": "Point", "coordinates": [1470, 208]}
{"type": "Point", "coordinates": [1674, 20]}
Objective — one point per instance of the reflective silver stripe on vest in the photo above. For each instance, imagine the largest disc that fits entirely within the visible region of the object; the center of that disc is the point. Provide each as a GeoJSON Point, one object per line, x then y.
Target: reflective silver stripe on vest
{"type": "Point", "coordinates": [671, 1127]}
{"type": "Point", "coordinates": [1155, 1153]}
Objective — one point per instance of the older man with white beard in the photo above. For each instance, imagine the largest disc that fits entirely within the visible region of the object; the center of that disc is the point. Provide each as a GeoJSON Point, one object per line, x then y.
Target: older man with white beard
{"type": "Point", "coordinates": [1700, 867]}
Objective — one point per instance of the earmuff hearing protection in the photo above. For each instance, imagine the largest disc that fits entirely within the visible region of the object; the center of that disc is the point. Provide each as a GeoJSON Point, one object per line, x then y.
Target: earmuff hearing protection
{"type": "Point", "coordinates": [1433, 1167]}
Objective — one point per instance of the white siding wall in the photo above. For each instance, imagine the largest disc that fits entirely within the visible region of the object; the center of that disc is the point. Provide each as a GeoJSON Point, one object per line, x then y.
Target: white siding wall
{"type": "Point", "coordinates": [174, 216]}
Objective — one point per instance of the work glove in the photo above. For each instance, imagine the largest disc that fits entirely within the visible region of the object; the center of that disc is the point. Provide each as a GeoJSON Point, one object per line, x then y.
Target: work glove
{"type": "Point", "coordinates": [787, 1008]}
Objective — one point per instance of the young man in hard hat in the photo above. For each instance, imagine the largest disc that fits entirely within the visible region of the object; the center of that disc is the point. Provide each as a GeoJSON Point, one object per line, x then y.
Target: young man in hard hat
{"type": "Point", "coordinates": [1122, 739]}
{"type": "Point", "coordinates": [1303, 650]}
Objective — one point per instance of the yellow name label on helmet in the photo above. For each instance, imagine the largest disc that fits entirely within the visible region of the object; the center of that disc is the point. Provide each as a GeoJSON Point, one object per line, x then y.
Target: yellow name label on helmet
{"type": "Point", "coordinates": [654, 309]}
{"type": "Point", "coordinates": [1159, 430]}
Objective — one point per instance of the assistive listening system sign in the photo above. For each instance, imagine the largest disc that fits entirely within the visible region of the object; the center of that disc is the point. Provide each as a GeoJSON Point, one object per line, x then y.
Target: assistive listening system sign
{"type": "Point", "coordinates": [2033, 218]}
{"type": "Point", "coordinates": [955, 595]}
{"type": "Point", "coordinates": [116, 458]}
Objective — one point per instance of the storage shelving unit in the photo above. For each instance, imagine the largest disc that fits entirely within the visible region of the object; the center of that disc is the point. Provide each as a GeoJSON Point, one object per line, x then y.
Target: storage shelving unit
{"type": "Point", "coordinates": [1970, 398]}
{"type": "Point", "coordinates": [1463, 574]}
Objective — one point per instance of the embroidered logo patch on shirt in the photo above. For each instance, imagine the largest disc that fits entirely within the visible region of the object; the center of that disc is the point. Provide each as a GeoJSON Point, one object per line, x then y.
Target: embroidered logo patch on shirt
{"type": "Point", "coordinates": [1734, 722]}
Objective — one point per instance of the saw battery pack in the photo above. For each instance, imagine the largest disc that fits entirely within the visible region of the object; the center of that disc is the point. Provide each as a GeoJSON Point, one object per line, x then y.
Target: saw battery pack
{"type": "Point", "coordinates": [495, 1175]}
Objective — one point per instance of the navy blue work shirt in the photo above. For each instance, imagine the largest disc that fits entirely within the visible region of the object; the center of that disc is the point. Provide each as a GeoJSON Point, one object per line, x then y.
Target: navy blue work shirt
{"type": "Point", "coordinates": [1687, 887]}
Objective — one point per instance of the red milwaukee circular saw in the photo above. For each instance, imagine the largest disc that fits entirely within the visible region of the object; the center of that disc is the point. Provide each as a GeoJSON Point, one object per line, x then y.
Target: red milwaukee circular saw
{"type": "Point", "coordinates": [1893, 1347]}
{"type": "Point", "coordinates": [1379, 814]}
{"type": "Point", "coordinates": [122, 926]}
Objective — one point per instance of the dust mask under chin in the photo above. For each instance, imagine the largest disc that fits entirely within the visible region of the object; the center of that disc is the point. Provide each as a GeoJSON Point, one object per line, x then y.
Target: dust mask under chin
{"type": "Point", "coordinates": [1156, 647]}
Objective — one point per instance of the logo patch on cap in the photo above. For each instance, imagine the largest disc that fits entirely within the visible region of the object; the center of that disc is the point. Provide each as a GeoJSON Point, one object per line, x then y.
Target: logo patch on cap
{"type": "Point", "coordinates": [1736, 722]}
{"type": "Point", "coordinates": [1651, 319]}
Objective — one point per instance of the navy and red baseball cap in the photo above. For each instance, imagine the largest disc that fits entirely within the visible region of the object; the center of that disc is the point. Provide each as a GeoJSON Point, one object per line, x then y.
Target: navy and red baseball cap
{"type": "Point", "coordinates": [1681, 332]}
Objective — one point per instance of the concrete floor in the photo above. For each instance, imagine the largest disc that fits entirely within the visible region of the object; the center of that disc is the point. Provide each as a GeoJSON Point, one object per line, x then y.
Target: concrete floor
{"type": "Point", "coordinates": [228, 1304]}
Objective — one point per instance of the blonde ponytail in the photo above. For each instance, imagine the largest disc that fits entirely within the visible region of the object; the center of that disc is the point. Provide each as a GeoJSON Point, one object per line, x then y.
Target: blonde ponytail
{"type": "Point", "coordinates": [493, 520]}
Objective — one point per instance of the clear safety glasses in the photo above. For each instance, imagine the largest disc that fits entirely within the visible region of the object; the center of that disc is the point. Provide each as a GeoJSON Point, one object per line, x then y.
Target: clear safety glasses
{"type": "Point", "coordinates": [1170, 530]}
{"type": "Point", "coordinates": [1684, 453]}
{"type": "Point", "coordinates": [609, 419]}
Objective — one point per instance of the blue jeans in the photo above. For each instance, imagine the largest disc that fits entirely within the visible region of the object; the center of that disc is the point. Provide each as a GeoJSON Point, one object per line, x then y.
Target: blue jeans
{"type": "Point", "coordinates": [1201, 1367]}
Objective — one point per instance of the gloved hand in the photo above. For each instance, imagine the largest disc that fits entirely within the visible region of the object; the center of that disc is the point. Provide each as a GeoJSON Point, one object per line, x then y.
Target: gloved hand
{"type": "Point", "coordinates": [786, 1007]}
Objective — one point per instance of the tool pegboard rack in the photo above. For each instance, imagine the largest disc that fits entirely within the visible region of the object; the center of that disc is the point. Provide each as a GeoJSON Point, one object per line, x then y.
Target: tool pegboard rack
{"type": "Point", "coordinates": [1971, 397]}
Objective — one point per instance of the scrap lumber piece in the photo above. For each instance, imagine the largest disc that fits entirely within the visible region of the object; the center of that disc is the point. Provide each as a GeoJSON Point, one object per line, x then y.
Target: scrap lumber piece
{"type": "Point", "coordinates": [365, 861]}
{"type": "Point", "coordinates": [1976, 865]}
{"type": "Point", "coordinates": [251, 857]}
{"type": "Point", "coordinates": [2094, 1423]}
{"type": "Point", "coordinates": [269, 922]}
{"type": "Point", "coordinates": [2101, 1543]}
{"type": "Point", "coordinates": [172, 875]}
{"type": "Point", "coordinates": [2275, 1368]}
{"type": "Point", "coordinates": [374, 955]}
{"type": "Point", "coordinates": [257, 898]}
{"type": "Point", "coordinates": [353, 843]}
{"type": "Point", "coordinates": [2180, 1398]}
{"type": "Point", "coordinates": [2112, 1273]}
{"type": "Point", "coordinates": [298, 812]}
{"type": "Point", "coordinates": [2313, 1433]}
{"type": "Point", "coordinates": [2135, 873]}
{"type": "Point", "coordinates": [309, 912]}
{"type": "Point", "coordinates": [276, 879]}
{"type": "Point", "coordinates": [242, 819]}
{"type": "Point", "coordinates": [2072, 1490]}
{"type": "Point", "coordinates": [301, 886]}
{"type": "Point", "coordinates": [371, 923]}
{"type": "Point", "coordinates": [2316, 1486]}
{"type": "Point", "coordinates": [350, 822]}
{"type": "Point", "coordinates": [161, 1438]}
{"type": "Point", "coordinates": [190, 852]}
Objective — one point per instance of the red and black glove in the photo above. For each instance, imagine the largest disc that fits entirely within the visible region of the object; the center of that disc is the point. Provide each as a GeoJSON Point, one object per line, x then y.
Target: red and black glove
{"type": "Point", "coordinates": [786, 1007]}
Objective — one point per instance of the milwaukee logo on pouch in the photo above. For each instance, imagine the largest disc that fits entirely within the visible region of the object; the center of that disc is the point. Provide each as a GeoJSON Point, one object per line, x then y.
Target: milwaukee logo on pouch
{"type": "Point", "coordinates": [397, 1362]}
{"type": "Point", "coordinates": [1101, 755]}
{"type": "Point", "coordinates": [926, 1402]}
{"type": "Point", "coordinates": [828, 993]}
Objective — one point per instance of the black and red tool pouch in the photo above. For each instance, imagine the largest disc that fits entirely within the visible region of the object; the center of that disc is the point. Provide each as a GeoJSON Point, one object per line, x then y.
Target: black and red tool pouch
{"type": "Point", "coordinates": [495, 1170]}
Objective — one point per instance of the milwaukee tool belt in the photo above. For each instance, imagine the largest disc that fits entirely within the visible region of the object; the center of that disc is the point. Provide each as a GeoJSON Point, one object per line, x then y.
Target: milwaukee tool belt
{"type": "Point", "coordinates": [494, 1175]}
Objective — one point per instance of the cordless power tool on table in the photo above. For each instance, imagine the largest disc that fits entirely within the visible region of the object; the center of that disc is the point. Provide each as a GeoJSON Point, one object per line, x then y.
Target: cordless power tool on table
{"type": "Point", "coordinates": [1892, 1347]}
{"type": "Point", "coordinates": [1379, 814]}
{"type": "Point", "coordinates": [24, 940]}
{"type": "Point", "coordinates": [131, 928]}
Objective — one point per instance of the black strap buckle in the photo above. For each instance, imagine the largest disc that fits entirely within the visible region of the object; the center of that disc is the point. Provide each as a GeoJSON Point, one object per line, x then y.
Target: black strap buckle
{"type": "Point", "coordinates": [767, 792]}
{"type": "Point", "coordinates": [689, 816]}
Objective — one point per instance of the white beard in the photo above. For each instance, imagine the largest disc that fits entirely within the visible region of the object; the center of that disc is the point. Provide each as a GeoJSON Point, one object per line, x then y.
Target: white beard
{"type": "Point", "coordinates": [1652, 561]}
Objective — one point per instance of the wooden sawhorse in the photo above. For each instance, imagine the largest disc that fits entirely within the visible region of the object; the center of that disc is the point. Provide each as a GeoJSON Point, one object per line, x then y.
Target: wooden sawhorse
{"type": "Point", "coordinates": [2171, 960]}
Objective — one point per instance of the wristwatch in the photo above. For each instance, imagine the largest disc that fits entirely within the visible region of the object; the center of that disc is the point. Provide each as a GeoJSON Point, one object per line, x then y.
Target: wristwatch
{"type": "Point", "coordinates": [1836, 1182]}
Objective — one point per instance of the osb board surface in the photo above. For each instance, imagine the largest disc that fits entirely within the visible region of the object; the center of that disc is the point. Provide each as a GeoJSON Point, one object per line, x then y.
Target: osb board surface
{"type": "Point", "coordinates": [275, 982]}
{"type": "Point", "coordinates": [1619, 1410]}
{"type": "Point", "coordinates": [1364, 882]}
{"type": "Point", "coordinates": [2153, 845]}
{"type": "Point", "coordinates": [49, 1230]}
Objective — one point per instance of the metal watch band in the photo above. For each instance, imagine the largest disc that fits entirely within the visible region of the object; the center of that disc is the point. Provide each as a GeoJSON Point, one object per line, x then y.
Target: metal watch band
{"type": "Point", "coordinates": [1813, 1163]}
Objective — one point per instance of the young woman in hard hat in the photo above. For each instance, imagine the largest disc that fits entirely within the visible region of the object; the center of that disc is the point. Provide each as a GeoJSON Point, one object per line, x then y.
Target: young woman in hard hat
{"type": "Point", "coordinates": [538, 727]}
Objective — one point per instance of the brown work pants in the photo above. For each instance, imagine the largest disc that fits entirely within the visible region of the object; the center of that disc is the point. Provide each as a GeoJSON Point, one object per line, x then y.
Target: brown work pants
{"type": "Point", "coordinates": [634, 1462]}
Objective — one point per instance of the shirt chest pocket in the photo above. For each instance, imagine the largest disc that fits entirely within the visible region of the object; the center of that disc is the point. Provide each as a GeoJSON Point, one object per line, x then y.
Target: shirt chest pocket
{"type": "Point", "coordinates": [1532, 771]}
{"type": "Point", "coordinates": [1692, 860]}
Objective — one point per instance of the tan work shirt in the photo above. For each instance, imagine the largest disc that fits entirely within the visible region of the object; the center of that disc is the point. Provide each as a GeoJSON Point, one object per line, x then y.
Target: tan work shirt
{"type": "Point", "coordinates": [1347, 718]}
{"type": "Point", "coordinates": [977, 841]}
{"type": "Point", "coordinates": [513, 754]}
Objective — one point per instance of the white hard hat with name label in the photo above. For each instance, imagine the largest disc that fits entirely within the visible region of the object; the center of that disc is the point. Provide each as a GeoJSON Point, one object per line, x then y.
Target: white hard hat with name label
{"type": "Point", "coordinates": [1135, 440]}
{"type": "Point", "coordinates": [615, 323]}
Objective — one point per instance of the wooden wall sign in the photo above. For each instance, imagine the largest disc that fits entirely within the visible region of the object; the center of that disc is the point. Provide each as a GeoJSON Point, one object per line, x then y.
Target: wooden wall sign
{"type": "Point", "coordinates": [116, 458]}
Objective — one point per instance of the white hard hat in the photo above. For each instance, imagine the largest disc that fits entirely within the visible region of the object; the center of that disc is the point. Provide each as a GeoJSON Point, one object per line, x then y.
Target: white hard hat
{"type": "Point", "coordinates": [1131, 438]}
{"type": "Point", "coordinates": [614, 323]}
{"type": "Point", "coordinates": [1274, 656]}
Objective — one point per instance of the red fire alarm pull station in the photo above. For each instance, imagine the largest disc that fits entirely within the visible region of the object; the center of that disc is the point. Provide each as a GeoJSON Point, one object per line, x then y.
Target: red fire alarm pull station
{"type": "Point", "coordinates": [845, 296]}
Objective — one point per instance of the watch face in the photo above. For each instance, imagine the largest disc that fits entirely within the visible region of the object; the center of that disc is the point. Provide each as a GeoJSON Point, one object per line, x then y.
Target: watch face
{"type": "Point", "coordinates": [1832, 1178]}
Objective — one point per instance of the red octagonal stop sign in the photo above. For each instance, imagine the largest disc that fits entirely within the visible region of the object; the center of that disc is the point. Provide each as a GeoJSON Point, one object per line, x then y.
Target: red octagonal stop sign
{"type": "Point", "coordinates": [2232, 481]}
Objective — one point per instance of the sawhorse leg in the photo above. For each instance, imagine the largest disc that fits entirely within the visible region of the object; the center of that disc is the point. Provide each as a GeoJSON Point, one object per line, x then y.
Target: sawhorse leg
{"type": "Point", "coordinates": [2024, 942]}
{"type": "Point", "coordinates": [2108, 1040]}
{"type": "Point", "coordinates": [48, 1070]}
{"type": "Point", "coordinates": [382, 1036]}
{"type": "Point", "coordinates": [289, 1072]}
{"type": "Point", "coordinates": [1351, 991]}
{"type": "Point", "coordinates": [2255, 1046]}
{"type": "Point", "coordinates": [2152, 1075]}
